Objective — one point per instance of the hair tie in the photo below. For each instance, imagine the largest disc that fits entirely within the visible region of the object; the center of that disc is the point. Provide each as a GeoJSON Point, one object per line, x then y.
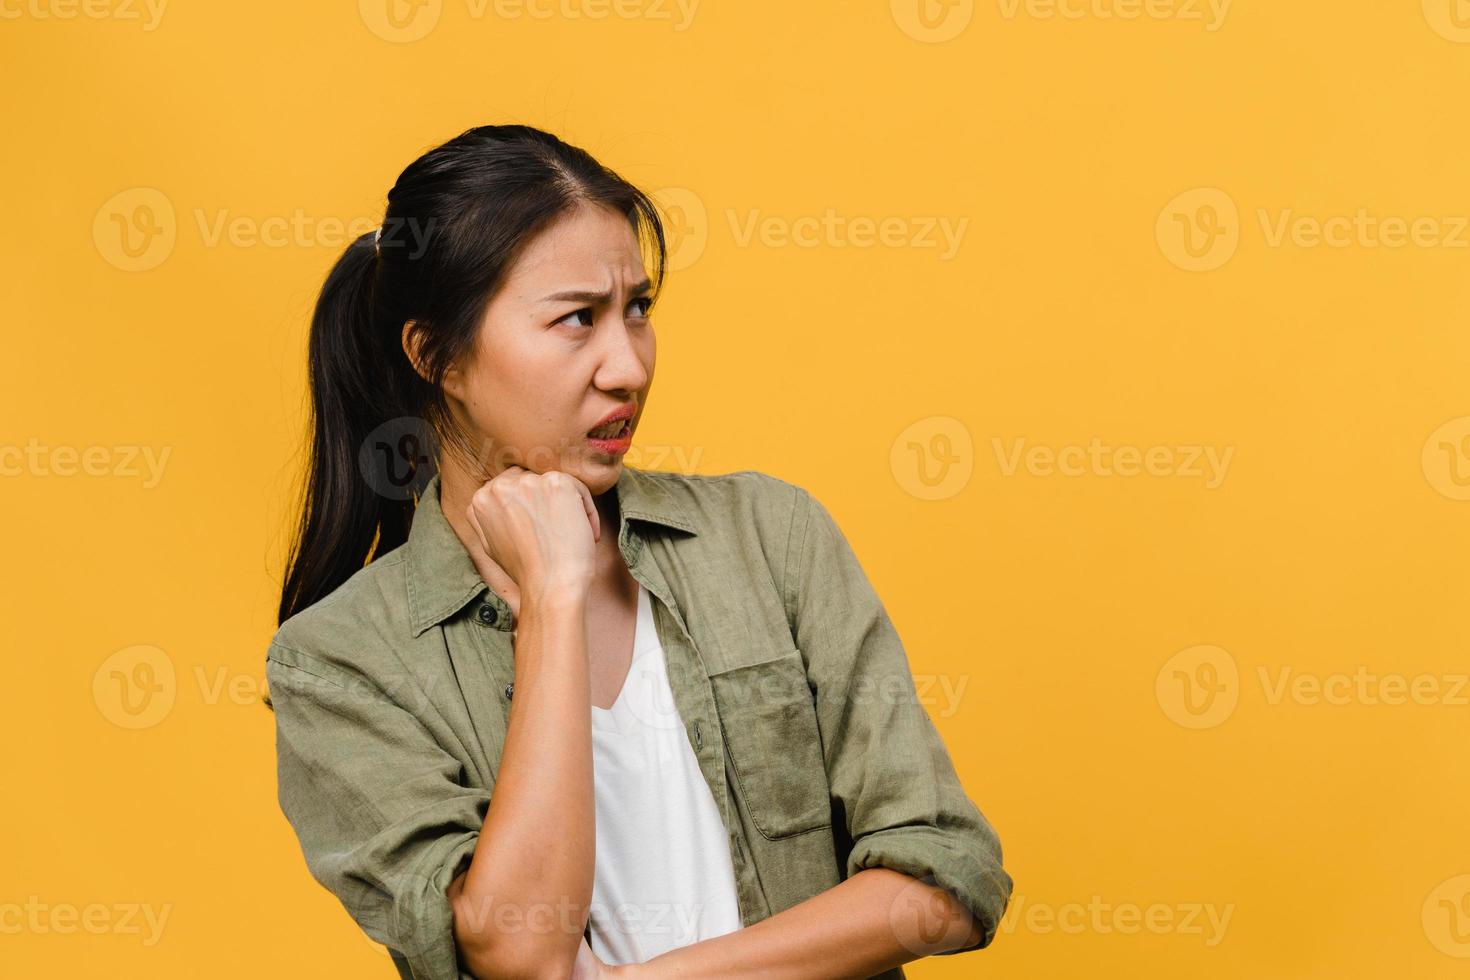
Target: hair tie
{"type": "Point", "coordinates": [377, 239]}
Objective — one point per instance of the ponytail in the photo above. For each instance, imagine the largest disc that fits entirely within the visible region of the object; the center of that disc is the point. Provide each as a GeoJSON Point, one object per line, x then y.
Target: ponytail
{"type": "Point", "coordinates": [356, 504]}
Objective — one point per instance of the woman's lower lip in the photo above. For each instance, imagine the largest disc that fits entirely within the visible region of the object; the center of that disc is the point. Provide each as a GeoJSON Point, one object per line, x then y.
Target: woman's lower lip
{"type": "Point", "coordinates": [615, 446]}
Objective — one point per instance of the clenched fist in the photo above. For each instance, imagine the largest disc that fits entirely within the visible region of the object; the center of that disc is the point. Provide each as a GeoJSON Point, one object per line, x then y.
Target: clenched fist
{"type": "Point", "coordinates": [536, 535]}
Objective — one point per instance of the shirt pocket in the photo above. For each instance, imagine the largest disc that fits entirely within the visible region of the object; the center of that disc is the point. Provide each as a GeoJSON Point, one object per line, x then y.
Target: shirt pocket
{"type": "Point", "coordinates": [769, 722]}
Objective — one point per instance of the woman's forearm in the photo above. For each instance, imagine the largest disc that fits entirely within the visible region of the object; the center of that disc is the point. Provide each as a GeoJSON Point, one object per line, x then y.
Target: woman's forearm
{"type": "Point", "coordinates": [521, 906]}
{"type": "Point", "coordinates": [873, 921]}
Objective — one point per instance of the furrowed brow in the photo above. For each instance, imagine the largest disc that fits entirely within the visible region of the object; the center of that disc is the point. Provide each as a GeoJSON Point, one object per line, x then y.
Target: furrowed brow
{"type": "Point", "coordinates": [593, 296]}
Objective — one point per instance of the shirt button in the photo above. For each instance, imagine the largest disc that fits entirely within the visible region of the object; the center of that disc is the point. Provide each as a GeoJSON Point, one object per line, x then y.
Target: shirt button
{"type": "Point", "coordinates": [488, 615]}
{"type": "Point", "coordinates": [698, 737]}
{"type": "Point", "coordinates": [509, 689]}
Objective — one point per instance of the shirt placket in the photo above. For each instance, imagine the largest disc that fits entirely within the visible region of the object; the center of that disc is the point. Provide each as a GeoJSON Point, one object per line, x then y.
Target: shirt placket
{"type": "Point", "coordinates": [694, 700]}
{"type": "Point", "coordinates": [477, 642]}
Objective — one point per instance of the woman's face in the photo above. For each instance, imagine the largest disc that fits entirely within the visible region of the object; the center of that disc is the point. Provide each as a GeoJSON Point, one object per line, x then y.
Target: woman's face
{"type": "Point", "coordinates": [566, 341]}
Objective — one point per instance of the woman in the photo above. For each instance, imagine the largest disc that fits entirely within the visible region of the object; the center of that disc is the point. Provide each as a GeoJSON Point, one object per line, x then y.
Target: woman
{"type": "Point", "coordinates": [540, 714]}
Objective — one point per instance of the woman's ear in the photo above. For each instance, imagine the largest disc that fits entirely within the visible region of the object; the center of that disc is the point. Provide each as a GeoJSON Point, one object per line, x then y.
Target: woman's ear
{"type": "Point", "coordinates": [453, 382]}
{"type": "Point", "coordinates": [411, 347]}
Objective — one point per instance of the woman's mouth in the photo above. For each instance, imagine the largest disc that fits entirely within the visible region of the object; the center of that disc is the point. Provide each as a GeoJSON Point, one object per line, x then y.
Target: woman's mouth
{"type": "Point", "coordinates": [614, 438]}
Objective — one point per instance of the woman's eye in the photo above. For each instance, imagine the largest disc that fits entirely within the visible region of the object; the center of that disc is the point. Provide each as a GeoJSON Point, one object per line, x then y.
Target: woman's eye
{"type": "Point", "coordinates": [585, 311]}
{"type": "Point", "coordinates": [640, 308]}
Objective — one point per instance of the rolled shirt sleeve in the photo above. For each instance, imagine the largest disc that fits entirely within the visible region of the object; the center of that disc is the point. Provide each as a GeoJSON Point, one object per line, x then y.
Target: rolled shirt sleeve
{"type": "Point", "coordinates": [886, 763]}
{"type": "Point", "coordinates": [376, 803]}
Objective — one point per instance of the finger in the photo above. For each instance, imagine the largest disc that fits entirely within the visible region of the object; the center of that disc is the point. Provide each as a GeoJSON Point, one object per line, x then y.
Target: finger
{"type": "Point", "coordinates": [590, 506]}
{"type": "Point", "coordinates": [495, 576]}
{"type": "Point", "coordinates": [500, 583]}
{"type": "Point", "coordinates": [488, 567]}
{"type": "Point", "coordinates": [474, 520]}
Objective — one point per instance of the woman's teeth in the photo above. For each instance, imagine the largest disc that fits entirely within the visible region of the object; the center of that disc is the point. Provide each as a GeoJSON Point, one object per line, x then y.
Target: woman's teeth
{"type": "Point", "coordinates": [609, 431]}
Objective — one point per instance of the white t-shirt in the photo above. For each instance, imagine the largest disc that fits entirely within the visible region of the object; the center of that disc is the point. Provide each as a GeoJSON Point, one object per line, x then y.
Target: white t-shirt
{"type": "Point", "coordinates": [663, 877]}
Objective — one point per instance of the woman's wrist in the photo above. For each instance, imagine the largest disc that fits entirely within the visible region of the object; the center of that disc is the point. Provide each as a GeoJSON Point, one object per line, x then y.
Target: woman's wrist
{"type": "Point", "coordinates": [552, 605]}
{"type": "Point", "coordinates": [554, 596]}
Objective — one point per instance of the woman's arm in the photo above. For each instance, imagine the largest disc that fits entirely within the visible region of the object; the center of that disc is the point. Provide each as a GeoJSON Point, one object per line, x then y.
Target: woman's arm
{"type": "Point", "coordinates": [873, 921]}
{"type": "Point", "coordinates": [521, 906]}
{"type": "Point", "coordinates": [893, 784]}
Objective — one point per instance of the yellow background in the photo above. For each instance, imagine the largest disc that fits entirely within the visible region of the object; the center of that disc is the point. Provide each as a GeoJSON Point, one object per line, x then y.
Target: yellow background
{"type": "Point", "coordinates": [1073, 609]}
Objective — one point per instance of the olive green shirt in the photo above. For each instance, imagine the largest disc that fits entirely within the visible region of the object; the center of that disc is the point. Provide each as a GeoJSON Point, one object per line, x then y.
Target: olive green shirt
{"type": "Point", "coordinates": [391, 697]}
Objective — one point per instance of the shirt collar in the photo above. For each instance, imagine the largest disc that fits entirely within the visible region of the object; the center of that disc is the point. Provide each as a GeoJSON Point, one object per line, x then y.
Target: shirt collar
{"type": "Point", "coordinates": [442, 578]}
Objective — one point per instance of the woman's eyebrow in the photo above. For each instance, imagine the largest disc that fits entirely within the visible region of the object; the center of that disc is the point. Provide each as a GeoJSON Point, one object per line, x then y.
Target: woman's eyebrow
{"type": "Point", "coordinates": [593, 296]}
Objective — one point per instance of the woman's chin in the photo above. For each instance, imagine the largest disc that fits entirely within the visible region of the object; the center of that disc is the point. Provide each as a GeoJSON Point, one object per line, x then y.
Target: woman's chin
{"type": "Point", "coordinates": [600, 473]}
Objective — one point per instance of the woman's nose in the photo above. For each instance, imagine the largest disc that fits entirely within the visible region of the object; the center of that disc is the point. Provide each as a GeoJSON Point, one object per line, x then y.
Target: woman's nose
{"type": "Point", "coordinates": [622, 363]}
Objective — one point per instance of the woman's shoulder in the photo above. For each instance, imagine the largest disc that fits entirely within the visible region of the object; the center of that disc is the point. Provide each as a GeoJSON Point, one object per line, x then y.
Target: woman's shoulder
{"type": "Point", "coordinates": [742, 500]}
{"type": "Point", "coordinates": [353, 633]}
{"type": "Point", "coordinates": [749, 528]}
